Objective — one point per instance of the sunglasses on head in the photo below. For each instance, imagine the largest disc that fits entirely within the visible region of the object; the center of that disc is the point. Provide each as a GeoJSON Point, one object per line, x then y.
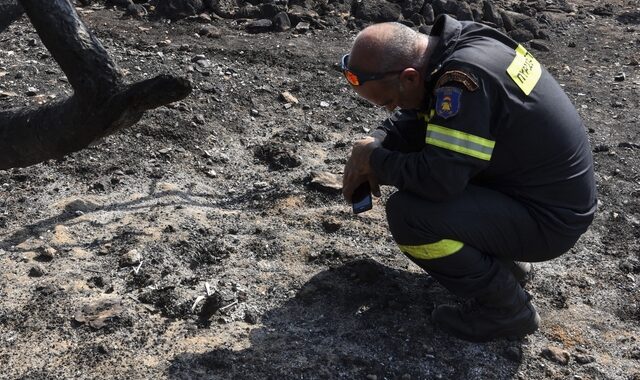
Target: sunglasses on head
{"type": "Point", "coordinates": [356, 78]}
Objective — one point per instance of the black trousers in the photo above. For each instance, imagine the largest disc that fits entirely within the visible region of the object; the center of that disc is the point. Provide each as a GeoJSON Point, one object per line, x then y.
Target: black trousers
{"type": "Point", "coordinates": [491, 225]}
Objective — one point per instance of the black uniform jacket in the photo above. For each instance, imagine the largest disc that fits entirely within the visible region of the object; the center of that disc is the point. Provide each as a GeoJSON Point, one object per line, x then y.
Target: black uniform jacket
{"type": "Point", "coordinates": [494, 118]}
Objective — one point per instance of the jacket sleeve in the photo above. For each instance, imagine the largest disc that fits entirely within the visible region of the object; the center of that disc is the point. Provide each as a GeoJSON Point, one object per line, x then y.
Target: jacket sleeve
{"type": "Point", "coordinates": [458, 144]}
{"type": "Point", "coordinates": [404, 131]}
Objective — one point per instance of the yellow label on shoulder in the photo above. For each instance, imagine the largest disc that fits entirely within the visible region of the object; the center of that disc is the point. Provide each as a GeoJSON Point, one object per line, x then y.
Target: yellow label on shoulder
{"type": "Point", "coordinates": [524, 70]}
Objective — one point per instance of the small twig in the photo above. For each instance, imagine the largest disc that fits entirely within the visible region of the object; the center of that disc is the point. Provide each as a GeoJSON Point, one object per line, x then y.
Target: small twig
{"type": "Point", "coordinates": [228, 306]}
{"type": "Point", "coordinates": [138, 267]}
{"type": "Point", "coordinates": [206, 285]}
{"type": "Point", "coordinates": [197, 301]}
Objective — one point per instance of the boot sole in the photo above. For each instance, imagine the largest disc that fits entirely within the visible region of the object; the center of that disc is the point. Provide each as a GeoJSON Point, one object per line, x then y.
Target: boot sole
{"type": "Point", "coordinates": [507, 334]}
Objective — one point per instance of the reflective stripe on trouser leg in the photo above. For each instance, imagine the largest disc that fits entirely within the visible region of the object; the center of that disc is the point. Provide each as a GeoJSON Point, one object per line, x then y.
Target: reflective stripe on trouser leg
{"type": "Point", "coordinates": [465, 273]}
{"type": "Point", "coordinates": [430, 251]}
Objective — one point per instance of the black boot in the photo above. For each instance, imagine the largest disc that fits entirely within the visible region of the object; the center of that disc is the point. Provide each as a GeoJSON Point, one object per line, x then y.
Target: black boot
{"type": "Point", "coordinates": [522, 271]}
{"type": "Point", "coordinates": [500, 310]}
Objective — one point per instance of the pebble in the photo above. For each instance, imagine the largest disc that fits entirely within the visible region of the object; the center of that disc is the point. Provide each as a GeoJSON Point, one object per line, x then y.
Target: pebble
{"type": "Point", "coordinates": [326, 182]}
{"type": "Point", "coordinates": [584, 359]}
{"type": "Point", "coordinates": [620, 77]}
{"type": "Point", "coordinates": [324, 104]}
{"type": "Point", "coordinates": [37, 271]}
{"type": "Point", "coordinates": [212, 173]}
{"type": "Point", "coordinates": [287, 97]}
{"type": "Point", "coordinates": [540, 46]}
{"type": "Point", "coordinates": [199, 119]}
{"type": "Point", "coordinates": [131, 257]}
{"type": "Point", "coordinates": [261, 185]}
{"type": "Point", "coordinates": [82, 205]}
{"type": "Point", "coordinates": [556, 355]}
{"type": "Point", "coordinates": [32, 91]}
{"type": "Point", "coordinates": [48, 253]}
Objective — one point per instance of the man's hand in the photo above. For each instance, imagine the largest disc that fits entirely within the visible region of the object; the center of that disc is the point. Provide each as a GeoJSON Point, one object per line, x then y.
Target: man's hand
{"type": "Point", "coordinates": [357, 170]}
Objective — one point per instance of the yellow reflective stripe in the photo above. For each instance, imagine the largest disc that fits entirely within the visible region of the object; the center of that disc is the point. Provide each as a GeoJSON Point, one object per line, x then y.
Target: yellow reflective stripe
{"type": "Point", "coordinates": [460, 142]}
{"type": "Point", "coordinates": [524, 70]}
{"type": "Point", "coordinates": [425, 117]}
{"type": "Point", "coordinates": [432, 251]}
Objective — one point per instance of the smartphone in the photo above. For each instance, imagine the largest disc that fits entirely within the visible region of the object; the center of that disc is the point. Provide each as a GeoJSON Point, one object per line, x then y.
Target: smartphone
{"type": "Point", "coordinates": [361, 198]}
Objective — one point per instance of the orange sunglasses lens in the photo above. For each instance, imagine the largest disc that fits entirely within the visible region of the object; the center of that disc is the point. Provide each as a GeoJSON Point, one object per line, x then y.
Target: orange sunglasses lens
{"type": "Point", "coordinates": [351, 78]}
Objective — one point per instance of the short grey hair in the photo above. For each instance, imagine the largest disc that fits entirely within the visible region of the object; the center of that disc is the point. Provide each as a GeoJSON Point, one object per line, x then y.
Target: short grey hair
{"type": "Point", "coordinates": [400, 48]}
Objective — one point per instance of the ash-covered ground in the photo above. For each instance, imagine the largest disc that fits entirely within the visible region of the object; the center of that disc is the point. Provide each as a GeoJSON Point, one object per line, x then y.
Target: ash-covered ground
{"type": "Point", "coordinates": [210, 240]}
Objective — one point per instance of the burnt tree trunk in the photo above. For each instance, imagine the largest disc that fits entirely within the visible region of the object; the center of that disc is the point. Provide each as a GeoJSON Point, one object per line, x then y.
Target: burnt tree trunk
{"type": "Point", "coordinates": [101, 104]}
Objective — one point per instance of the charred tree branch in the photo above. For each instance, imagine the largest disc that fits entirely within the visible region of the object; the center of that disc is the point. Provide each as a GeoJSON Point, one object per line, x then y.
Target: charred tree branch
{"type": "Point", "coordinates": [101, 103]}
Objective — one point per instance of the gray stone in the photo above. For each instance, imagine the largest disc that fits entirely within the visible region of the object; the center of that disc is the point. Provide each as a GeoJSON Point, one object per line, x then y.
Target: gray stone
{"type": "Point", "coordinates": [376, 11]}
{"type": "Point", "coordinates": [521, 35]}
{"type": "Point", "coordinates": [37, 270]}
{"type": "Point", "coordinates": [556, 355]}
{"type": "Point", "coordinates": [491, 14]}
{"type": "Point", "coordinates": [260, 26]}
{"type": "Point", "coordinates": [81, 205]}
{"type": "Point", "coordinates": [427, 13]}
{"type": "Point", "coordinates": [326, 182]}
{"type": "Point", "coordinates": [177, 9]}
{"type": "Point", "coordinates": [539, 45]}
{"type": "Point", "coordinates": [281, 22]}
{"type": "Point", "coordinates": [464, 12]}
{"type": "Point", "coordinates": [130, 258]}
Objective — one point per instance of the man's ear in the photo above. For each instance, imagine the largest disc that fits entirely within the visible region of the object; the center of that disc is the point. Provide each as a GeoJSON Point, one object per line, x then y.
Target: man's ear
{"type": "Point", "coordinates": [411, 77]}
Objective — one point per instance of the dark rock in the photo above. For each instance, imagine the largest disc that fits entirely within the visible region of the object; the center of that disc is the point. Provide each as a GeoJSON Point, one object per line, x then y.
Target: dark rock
{"type": "Point", "coordinates": [620, 77]}
{"type": "Point", "coordinates": [417, 19]}
{"type": "Point", "coordinates": [556, 355]}
{"type": "Point", "coordinates": [136, 11]}
{"type": "Point", "coordinates": [331, 226]}
{"type": "Point", "coordinates": [629, 17]}
{"type": "Point", "coordinates": [251, 317]}
{"type": "Point", "coordinates": [629, 145]}
{"type": "Point", "coordinates": [118, 3]}
{"type": "Point", "coordinates": [249, 11]}
{"type": "Point", "coordinates": [491, 13]}
{"type": "Point", "coordinates": [601, 148]}
{"type": "Point", "coordinates": [439, 7]}
{"type": "Point", "coordinates": [210, 31]}
{"type": "Point", "coordinates": [260, 26]}
{"type": "Point", "coordinates": [507, 21]}
{"type": "Point", "coordinates": [538, 45]}
{"type": "Point", "coordinates": [97, 314]}
{"type": "Point", "coordinates": [464, 12]}
{"type": "Point", "coordinates": [513, 354]}
{"type": "Point", "coordinates": [270, 10]}
{"type": "Point", "coordinates": [278, 156]}
{"type": "Point", "coordinates": [427, 13]}
{"type": "Point", "coordinates": [37, 271]}
{"type": "Point", "coordinates": [603, 10]}
{"type": "Point", "coordinates": [299, 14]}
{"type": "Point", "coordinates": [521, 35]}
{"type": "Point", "coordinates": [531, 25]}
{"type": "Point", "coordinates": [177, 9]}
{"type": "Point", "coordinates": [584, 359]}
{"type": "Point", "coordinates": [281, 22]}
{"type": "Point", "coordinates": [376, 10]}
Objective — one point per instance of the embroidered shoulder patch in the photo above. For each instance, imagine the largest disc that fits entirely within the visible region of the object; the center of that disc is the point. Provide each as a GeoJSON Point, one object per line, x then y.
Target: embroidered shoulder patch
{"type": "Point", "coordinates": [458, 76]}
{"type": "Point", "coordinates": [447, 101]}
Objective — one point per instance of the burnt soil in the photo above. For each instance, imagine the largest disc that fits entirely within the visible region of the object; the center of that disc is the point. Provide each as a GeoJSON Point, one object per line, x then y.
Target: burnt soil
{"type": "Point", "coordinates": [105, 252]}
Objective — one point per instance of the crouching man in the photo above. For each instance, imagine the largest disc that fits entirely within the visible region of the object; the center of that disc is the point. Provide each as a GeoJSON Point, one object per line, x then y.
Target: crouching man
{"type": "Point", "coordinates": [490, 158]}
